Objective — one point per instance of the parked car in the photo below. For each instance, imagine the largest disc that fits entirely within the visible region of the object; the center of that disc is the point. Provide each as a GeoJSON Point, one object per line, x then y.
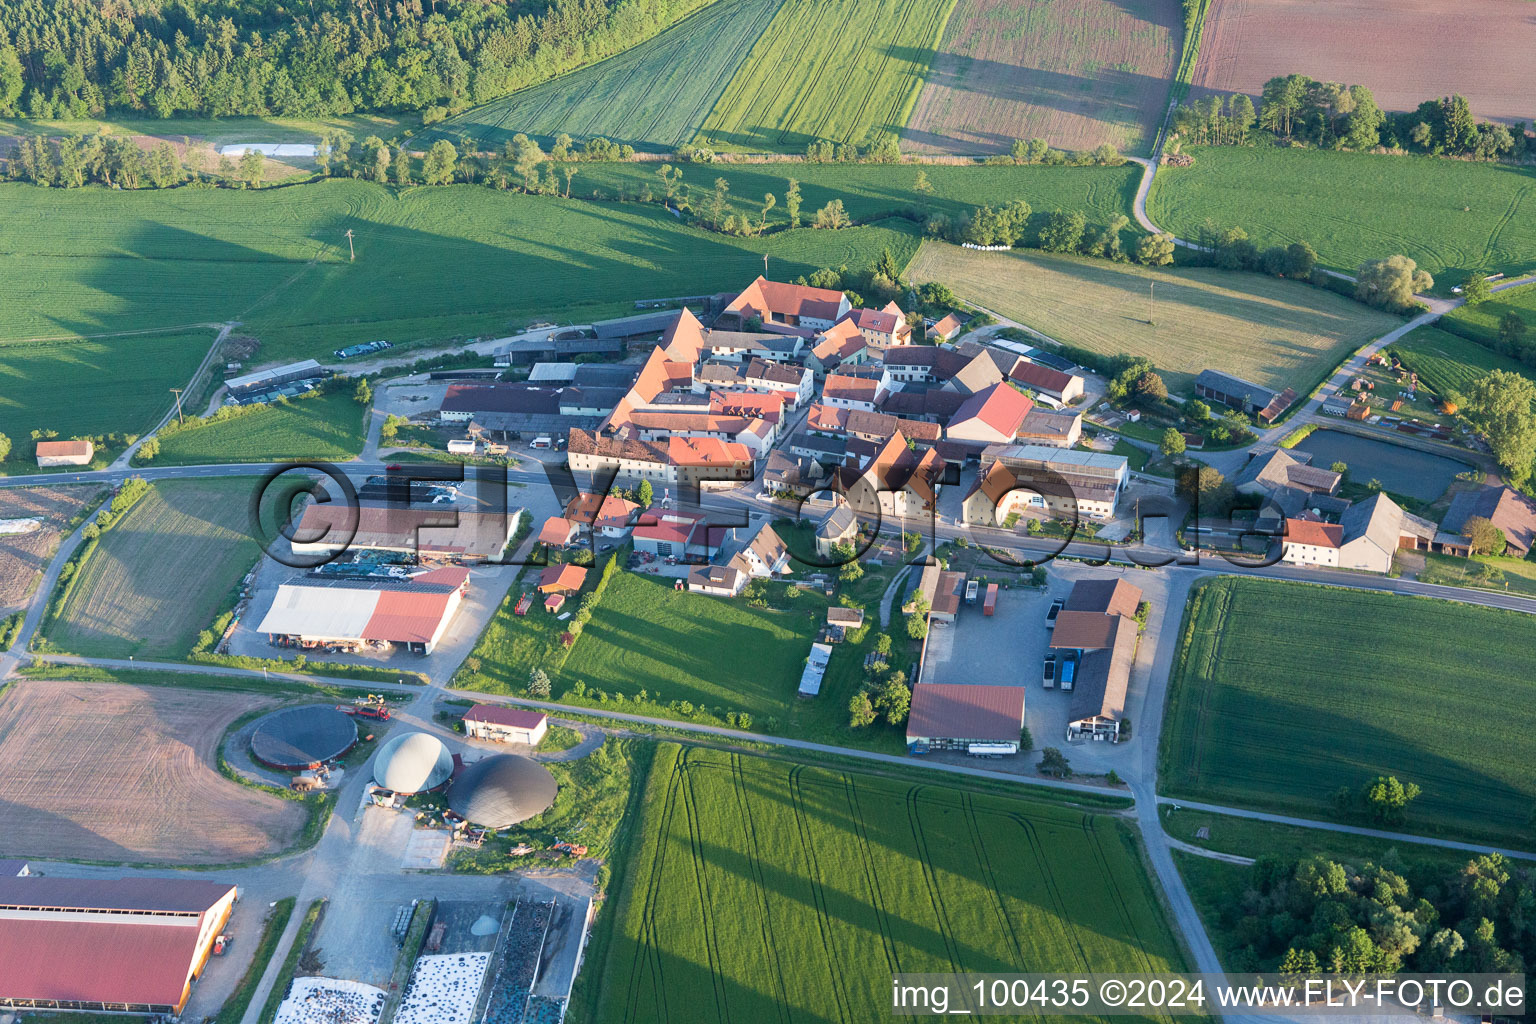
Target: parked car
{"type": "Point", "coordinates": [1050, 616]}
{"type": "Point", "coordinates": [1050, 673]}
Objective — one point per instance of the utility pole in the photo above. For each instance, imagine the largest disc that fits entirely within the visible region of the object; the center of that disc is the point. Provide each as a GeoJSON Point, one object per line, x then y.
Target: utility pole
{"type": "Point", "coordinates": [352, 253]}
{"type": "Point", "coordinates": [1151, 301]}
{"type": "Point", "coordinates": [765, 264]}
{"type": "Point", "coordinates": [177, 392]}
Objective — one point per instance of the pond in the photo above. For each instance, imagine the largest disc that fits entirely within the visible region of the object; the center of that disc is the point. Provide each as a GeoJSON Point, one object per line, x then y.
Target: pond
{"type": "Point", "coordinates": [1401, 470]}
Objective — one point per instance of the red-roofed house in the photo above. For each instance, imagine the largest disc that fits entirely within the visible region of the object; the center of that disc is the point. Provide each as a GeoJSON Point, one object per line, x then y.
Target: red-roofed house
{"type": "Point", "coordinates": [562, 579]}
{"type": "Point", "coordinates": [780, 305]}
{"type": "Point", "coordinates": [882, 328]}
{"type": "Point", "coordinates": [1311, 543]}
{"type": "Point", "coordinates": [1063, 387]}
{"type": "Point", "coordinates": [841, 344]}
{"type": "Point", "coordinates": [131, 944]}
{"type": "Point", "coordinates": [697, 460]}
{"type": "Point", "coordinates": [848, 392]}
{"type": "Point", "coordinates": [608, 514]}
{"type": "Point", "coordinates": [558, 532]}
{"type": "Point", "coordinates": [990, 416]}
{"type": "Point", "coordinates": [946, 329]}
{"type": "Point", "coordinates": [500, 724]}
{"type": "Point", "coordinates": [897, 482]}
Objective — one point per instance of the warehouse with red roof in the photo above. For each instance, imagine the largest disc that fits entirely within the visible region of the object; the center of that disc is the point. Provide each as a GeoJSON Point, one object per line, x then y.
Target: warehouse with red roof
{"type": "Point", "coordinates": [126, 944]}
{"type": "Point", "coordinates": [321, 610]}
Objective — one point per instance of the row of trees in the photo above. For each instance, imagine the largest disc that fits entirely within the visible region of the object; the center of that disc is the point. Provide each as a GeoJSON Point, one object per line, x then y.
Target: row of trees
{"type": "Point", "coordinates": [1317, 914]}
{"type": "Point", "coordinates": [323, 57]}
{"type": "Point", "coordinates": [1337, 116]}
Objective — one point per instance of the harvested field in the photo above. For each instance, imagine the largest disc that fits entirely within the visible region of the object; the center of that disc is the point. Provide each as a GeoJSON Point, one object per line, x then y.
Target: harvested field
{"type": "Point", "coordinates": [1076, 73]}
{"type": "Point", "coordinates": [24, 555]}
{"type": "Point", "coordinates": [158, 577]}
{"type": "Point", "coordinates": [653, 95]}
{"type": "Point", "coordinates": [836, 70]}
{"type": "Point", "coordinates": [104, 771]}
{"type": "Point", "coordinates": [1405, 51]}
{"type": "Point", "coordinates": [761, 891]}
{"type": "Point", "coordinates": [1273, 332]}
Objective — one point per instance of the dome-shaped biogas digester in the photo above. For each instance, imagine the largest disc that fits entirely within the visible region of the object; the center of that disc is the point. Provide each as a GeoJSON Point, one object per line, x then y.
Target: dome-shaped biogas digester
{"type": "Point", "coordinates": [412, 763]}
{"type": "Point", "coordinates": [502, 790]}
{"type": "Point", "coordinates": [298, 737]}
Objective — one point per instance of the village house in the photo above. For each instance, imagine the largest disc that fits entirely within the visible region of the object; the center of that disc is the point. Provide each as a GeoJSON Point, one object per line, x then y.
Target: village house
{"type": "Point", "coordinates": [796, 383]}
{"type": "Point", "coordinates": [841, 345]}
{"type": "Point", "coordinates": [947, 329]}
{"type": "Point", "coordinates": [1064, 388]}
{"type": "Point", "coordinates": [882, 328]}
{"type": "Point", "coordinates": [896, 482]}
{"type": "Point", "coordinates": [65, 453]}
{"type": "Point", "coordinates": [1366, 537]}
{"type": "Point", "coordinates": [1024, 479]}
{"type": "Point", "coordinates": [847, 391]}
{"type": "Point", "coordinates": [1096, 632]}
{"type": "Point", "coordinates": [786, 308]}
{"type": "Point", "coordinates": [717, 581]}
{"type": "Point", "coordinates": [990, 416]}
{"type": "Point", "coordinates": [558, 532]}
{"type": "Point", "coordinates": [606, 514]}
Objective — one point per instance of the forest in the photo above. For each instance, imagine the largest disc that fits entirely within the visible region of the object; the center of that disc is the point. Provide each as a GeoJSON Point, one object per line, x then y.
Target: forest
{"type": "Point", "coordinates": [319, 58]}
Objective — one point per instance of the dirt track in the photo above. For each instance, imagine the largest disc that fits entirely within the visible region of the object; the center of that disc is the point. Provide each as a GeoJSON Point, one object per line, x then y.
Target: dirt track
{"type": "Point", "coordinates": [104, 771]}
{"type": "Point", "coordinates": [1405, 51]}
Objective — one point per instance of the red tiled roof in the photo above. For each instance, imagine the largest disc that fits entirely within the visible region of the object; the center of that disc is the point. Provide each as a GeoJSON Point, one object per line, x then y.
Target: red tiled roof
{"type": "Point", "coordinates": [947, 326]}
{"type": "Point", "coordinates": [562, 577]}
{"type": "Point", "coordinates": [769, 405]}
{"type": "Point", "coordinates": [787, 300]}
{"type": "Point", "coordinates": [674, 527]}
{"type": "Point", "coordinates": [65, 449]}
{"type": "Point", "coordinates": [583, 442]}
{"type": "Point", "coordinates": [827, 418]}
{"type": "Point", "coordinates": [601, 511]}
{"type": "Point", "coordinates": [706, 451]}
{"type": "Point", "coordinates": [498, 714]}
{"type": "Point", "coordinates": [1000, 407]}
{"type": "Point", "coordinates": [1322, 535]}
{"type": "Point", "coordinates": [557, 530]}
{"type": "Point", "coordinates": [966, 711]}
{"type": "Point", "coordinates": [95, 961]}
{"type": "Point", "coordinates": [1083, 631]}
{"type": "Point", "coordinates": [850, 389]}
{"type": "Point", "coordinates": [876, 320]}
{"type": "Point", "coordinates": [405, 617]}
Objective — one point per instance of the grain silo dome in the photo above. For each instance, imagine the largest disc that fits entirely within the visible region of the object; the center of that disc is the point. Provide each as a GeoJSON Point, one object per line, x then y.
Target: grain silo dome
{"type": "Point", "coordinates": [502, 790]}
{"type": "Point", "coordinates": [412, 763]}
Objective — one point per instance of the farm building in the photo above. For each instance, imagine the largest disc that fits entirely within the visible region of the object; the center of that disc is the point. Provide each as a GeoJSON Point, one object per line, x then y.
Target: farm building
{"type": "Point", "coordinates": [942, 589]}
{"type": "Point", "coordinates": [64, 453]}
{"type": "Point", "coordinates": [848, 618]}
{"type": "Point", "coordinates": [946, 329]}
{"type": "Point", "coordinates": [562, 579]}
{"type": "Point", "coordinates": [265, 385]}
{"type": "Point", "coordinates": [1244, 396]}
{"type": "Point", "coordinates": [1504, 507]}
{"type": "Point", "coordinates": [320, 610]}
{"type": "Point", "coordinates": [717, 580]}
{"type": "Point", "coordinates": [895, 482]}
{"type": "Point", "coordinates": [412, 762]}
{"type": "Point", "coordinates": [11, 868]}
{"type": "Point", "coordinates": [1050, 429]}
{"type": "Point", "coordinates": [678, 534]}
{"type": "Point", "coordinates": [1043, 380]}
{"type": "Point", "coordinates": [961, 716]}
{"type": "Point", "coordinates": [126, 944]}
{"type": "Point", "coordinates": [502, 790]}
{"type": "Point", "coordinates": [787, 308]}
{"type": "Point", "coordinates": [880, 427]}
{"type": "Point", "coordinates": [1097, 632]}
{"type": "Point", "coordinates": [989, 416]}
{"type": "Point", "coordinates": [501, 724]}
{"type": "Point", "coordinates": [435, 533]}
{"type": "Point", "coordinates": [295, 738]}
{"type": "Point", "coordinates": [1021, 478]}
{"type": "Point", "coordinates": [817, 446]}
{"type": "Point", "coordinates": [1280, 468]}
{"type": "Point", "coordinates": [1366, 537]}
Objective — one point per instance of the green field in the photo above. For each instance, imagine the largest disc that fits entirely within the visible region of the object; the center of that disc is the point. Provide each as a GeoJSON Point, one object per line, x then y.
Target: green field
{"type": "Point", "coordinates": [329, 427]}
{"type": "Point", "coordinates": [93, 387]}
{"type": "Point", "coordinates": [1445, 362]}
{"type": "Point", "coordinates": [432, 263]}
{"type": "Point", "coordinates": [836, 70]}
{"type": "Point", "coordinates": [761, 891]}
{"type": "Point", "coordinates": [1273, 332]}
{"type": "Point", "coordinates": [654, 95]}
{"type": "Point", "coordinates": [1286, 692]}
{"type": "Point", "coordinates": [157, 577]}
{"type": "Point", "coordinates": [1451, 216]}
{"type": "Point", "coordinates": [1482, 320]}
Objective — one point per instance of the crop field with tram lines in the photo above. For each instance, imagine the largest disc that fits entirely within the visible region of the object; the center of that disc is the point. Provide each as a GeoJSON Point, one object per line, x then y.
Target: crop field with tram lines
{"type": "Point", "coordinates": [24, 554]}
{"type": "Point", "coordinates": [764, 891]}
{"type": "Point", "coordinates": [158, 576]}
{"type": "Point", "coordinates": [113, 772]}
{"type": "Point", "coordinates": [833, 70]}
{"type": "Point", "coordinates": [1286, 692]}
{"type": "Point", "coordinates": [655, 95]}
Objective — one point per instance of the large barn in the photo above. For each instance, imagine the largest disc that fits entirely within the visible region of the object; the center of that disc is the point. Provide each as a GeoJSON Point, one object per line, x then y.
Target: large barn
{"type": "Point", "coordinates": [319, 610]}
{"type": "Point", "coordinates": [126, 944]}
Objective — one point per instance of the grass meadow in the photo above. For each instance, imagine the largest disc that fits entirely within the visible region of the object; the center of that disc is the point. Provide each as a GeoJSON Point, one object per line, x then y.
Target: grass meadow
{"type": "Point", "coordinates": [1286, 692]}
{"type": "Point", "coordinates": [432, 263]}
{"type": "Point", "coordinates": [1452, 216]}
{"type": "Point", "coordinates": [154, 580]}
{"type": "Point", "coordinates": [1273, 332]}
{"type": "Point", "coordinates": [328, 427]}
{"type": "Point", "coordinates": [655, 95]}
{"type": "Point", "coordinates": [91, 386]}
{"type": "Point", "coordinates": [761, 891]}
{"type": "Point", "coordinates": [835, 70]}
{"type": "Point", "coordinates": [1482, 320]}
{"type": "Point", "coordinates": [1446, 362]}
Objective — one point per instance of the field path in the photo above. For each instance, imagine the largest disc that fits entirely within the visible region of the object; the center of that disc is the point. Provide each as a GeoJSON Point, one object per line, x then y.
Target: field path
{"type": "Point", "coordinates": [124, 460]}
